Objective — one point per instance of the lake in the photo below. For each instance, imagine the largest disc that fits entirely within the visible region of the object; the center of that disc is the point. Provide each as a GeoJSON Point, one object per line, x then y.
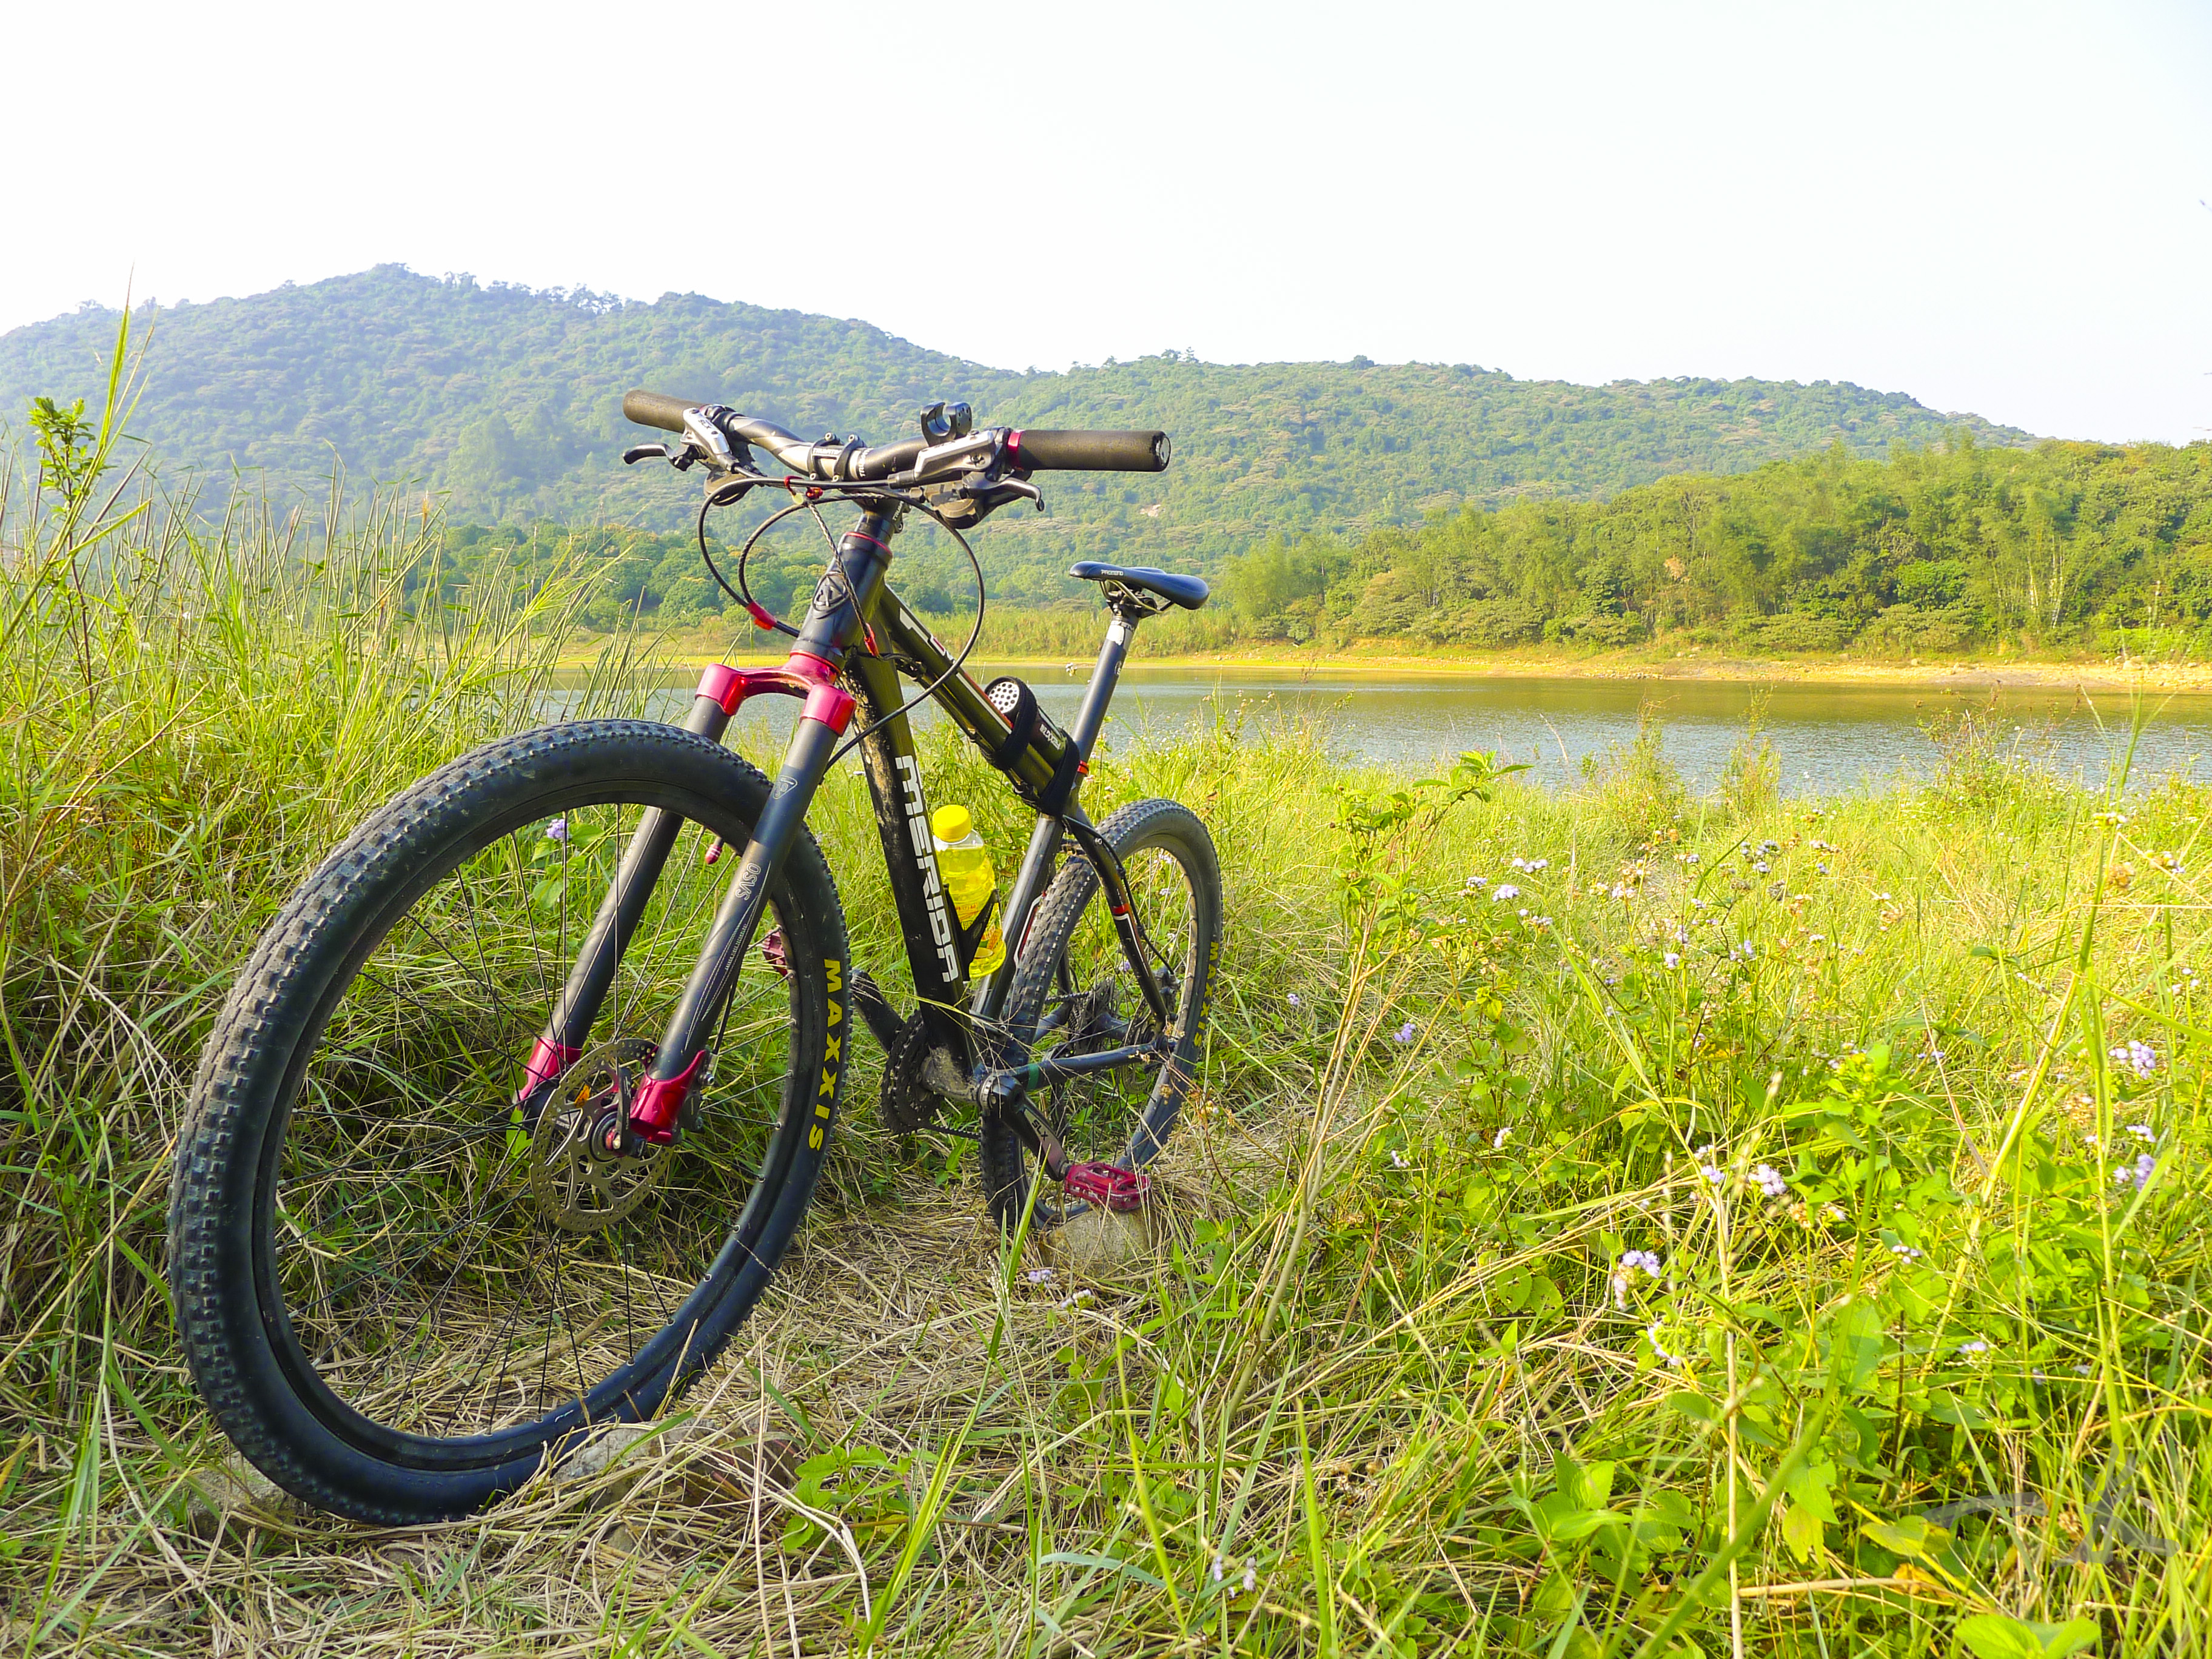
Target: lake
{"type": "Point", "coordinates": [1829, 738]}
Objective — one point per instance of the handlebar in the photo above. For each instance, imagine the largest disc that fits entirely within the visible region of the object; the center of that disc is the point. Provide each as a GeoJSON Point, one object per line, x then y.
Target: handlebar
{"type": "Point", "coordinates": [1031, 452]}
{"type": "Point", "coordinates": [1092, 452]}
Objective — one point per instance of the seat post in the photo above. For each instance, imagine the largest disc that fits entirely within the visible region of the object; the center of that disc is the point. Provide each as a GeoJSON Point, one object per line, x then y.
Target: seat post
{"type": "Point", "coordinates": [1091, 718]}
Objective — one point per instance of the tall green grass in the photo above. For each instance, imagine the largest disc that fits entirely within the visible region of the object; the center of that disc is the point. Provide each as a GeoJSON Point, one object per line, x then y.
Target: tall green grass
{"type": "Point", "coordinates": [1611, 1224]}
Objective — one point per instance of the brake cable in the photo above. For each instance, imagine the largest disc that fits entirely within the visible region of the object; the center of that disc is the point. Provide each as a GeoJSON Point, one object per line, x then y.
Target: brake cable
{"type": "Point", "coordinates": [723, 496]}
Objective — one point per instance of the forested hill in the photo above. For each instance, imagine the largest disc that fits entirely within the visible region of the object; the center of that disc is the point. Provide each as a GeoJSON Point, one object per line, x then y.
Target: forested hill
{"type": "Point", "coordinates": [510, 400]}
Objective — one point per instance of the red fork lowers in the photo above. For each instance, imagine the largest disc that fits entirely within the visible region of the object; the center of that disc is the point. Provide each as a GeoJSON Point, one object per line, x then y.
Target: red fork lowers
{"type": "Point", "coordinates": [548, 1060]}
{"type": "Point", "coordinates": [802, 675]}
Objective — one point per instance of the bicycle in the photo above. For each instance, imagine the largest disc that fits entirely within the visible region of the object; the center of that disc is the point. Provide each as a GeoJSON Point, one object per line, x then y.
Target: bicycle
{"type": "Point", "coordinates": [455, 1183]}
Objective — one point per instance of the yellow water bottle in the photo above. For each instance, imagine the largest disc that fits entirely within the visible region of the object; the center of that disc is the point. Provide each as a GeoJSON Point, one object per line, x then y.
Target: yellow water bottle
{"type": "Point", "coordinates": [965, 866]}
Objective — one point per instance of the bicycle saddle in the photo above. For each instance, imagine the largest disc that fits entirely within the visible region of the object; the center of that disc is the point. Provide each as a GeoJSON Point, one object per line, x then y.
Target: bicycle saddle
{"type": "Point", "coordinates": [1188, 591]}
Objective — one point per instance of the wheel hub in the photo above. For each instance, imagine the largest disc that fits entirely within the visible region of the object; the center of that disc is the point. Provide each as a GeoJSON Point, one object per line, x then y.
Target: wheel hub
{"type": "Point", "coordinates": [587, 1171]}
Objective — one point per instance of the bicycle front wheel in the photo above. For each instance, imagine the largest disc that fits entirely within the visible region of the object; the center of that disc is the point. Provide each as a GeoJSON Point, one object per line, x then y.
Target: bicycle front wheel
{"type": "Point", "coordinates": [403, 1281]}
{"type": "Point", "coordinates": [1073, 994]}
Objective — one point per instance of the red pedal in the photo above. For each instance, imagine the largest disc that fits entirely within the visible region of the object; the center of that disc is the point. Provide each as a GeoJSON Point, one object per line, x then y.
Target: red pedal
{"type": "Point", "coordinates": [1107, 1184]}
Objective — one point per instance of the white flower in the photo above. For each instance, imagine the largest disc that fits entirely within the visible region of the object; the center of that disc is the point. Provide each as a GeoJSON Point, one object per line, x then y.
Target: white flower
{"type": "Point", "coordinates": [1398, 1160]}
{"type": "Point", "coordinates": [1651, 1335]}
{"type": "Point", "coordinates": [1673, 958]}
{"type": "Point", "coordinates": [1540, 864]}
{"type": "Point", "coordinates": [1502, 892]}
{"type": "Point", "coordinates": [1976, 1346]}
{"type": "Point", "coordinates": [1711, 1174]}
{"type": "Point", "coordinates": [1478, 881]}
{"type": "Point", "coordinates": [1038, 1276]}
{"type": "Point", "coordinates": [1906, 1253]}
{"type": "Point", "coordinates": [1770, 1180]}
{"type": "Point", "coordinates": [1498, 1141]}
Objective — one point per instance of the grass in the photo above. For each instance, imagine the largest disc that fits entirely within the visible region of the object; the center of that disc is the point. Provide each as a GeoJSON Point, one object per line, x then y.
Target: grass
{"type": "Point", "coordinates": [1719, 1227]}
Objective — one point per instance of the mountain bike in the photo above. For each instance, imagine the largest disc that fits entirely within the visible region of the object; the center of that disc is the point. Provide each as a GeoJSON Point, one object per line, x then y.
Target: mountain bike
{"type": "Point", "coordinates": [518, 1102]}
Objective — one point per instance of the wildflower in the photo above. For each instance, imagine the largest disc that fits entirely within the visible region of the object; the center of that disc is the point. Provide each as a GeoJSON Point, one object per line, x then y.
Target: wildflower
{"type": "Point", "coordinates": [1883, 898]}
{"type": "Point", "coordinates": [2138, 1056]}
{"type": "Point", "coordinates": [1698, 903]}
{"type": "Point", "coordinates": [1038, 1276]}
{"type": "Point", "coordinates": [1503, 891]}
{"type": "Point", "coordinates": [1404, 1033]}
{"type": "Point", "coordinates": [1974, 1347]}
{"type": "Point", "coordinates": [1520, 864]}
{"type": "Point", "coordinates": [2139, 1172]}
{"type": "Point", "coordinates": [1398, 1160]}
{"type": "Point", "coordinates": [1906, 1253]}
{"type": "Point", "coordinates": [1761, 866]}
{"type": "Point", "coordinates": [1673, 958]}
{"type": "Point", "coordinates": [1833, 1212]}
{"type": "Point", "coordinates": [1822, 868]}
{"type": "Point", "coordinates": [1249, 1581]}
{"type": "Point", "coordinates": [1498, 1141]}
{"type": "Point", "coordinates": [1540, 864]}
{"type": "Point", "coordinates": [1625, 1271]}
{"type": "Point", "coordinates": [1712, 1172]}
{"type": "Point", "coordinates": [557, 830]}
{"type": "Point", "coordinates": [1770, 1180]}
{"type": "Point", "coordinates": [1651, 1335]}
{"type": "Point", "coordinates": [1539, 921]}
{"type": "Point", "coordinates": [1293, 1001]}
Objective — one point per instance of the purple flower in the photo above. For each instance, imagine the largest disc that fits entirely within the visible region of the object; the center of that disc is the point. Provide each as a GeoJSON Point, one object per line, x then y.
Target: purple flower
{"type": "Point", "coordinates": [557, 830]}
{"type": "Point", "coordinates": [1294, 999]}
{"type": "Point", "coordinates": [1673, 958]}
{"type": "Point", "coordinates": [1404, 1033]}
{"type": "Point", "coordinates": [1504, 892]}
{"type": "Point", "coordinates": [1770, 1180]}
{"type": "Point", "coordinates": [2138, 1057]}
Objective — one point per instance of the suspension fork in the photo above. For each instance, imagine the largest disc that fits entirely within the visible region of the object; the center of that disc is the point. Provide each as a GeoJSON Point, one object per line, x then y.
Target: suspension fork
{"type": "Point", "coordinates": [842, 602]}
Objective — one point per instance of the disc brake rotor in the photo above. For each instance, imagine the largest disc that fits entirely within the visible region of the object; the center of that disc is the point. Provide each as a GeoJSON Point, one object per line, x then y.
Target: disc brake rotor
{"type": "Point", "coordinates": [581, 1185]}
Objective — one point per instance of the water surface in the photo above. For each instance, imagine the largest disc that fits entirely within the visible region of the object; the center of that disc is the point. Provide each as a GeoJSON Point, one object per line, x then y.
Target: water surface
{"type": "Point", "coordinates": [1829, 738]}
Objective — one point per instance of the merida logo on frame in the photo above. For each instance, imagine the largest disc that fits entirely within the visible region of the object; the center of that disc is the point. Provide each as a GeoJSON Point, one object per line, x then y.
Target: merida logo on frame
{"type": "Point", "coordinates": [925, 857]}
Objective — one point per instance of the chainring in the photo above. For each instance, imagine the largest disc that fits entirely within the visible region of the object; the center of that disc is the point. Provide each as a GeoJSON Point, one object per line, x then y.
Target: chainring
{"type": "Point", "coordinates": [580, 1186]}
{"type": "Point", "coordinates": [907, 1105]}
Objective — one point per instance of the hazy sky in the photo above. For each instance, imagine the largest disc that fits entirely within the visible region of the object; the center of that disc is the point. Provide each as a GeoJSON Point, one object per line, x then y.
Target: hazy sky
{"type": "Point", "coordinates": [1993, 208]}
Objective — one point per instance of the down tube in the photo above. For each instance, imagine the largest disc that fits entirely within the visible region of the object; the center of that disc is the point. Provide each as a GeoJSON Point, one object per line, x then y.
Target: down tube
{"type": "Point", "coordinates": [924, 915]}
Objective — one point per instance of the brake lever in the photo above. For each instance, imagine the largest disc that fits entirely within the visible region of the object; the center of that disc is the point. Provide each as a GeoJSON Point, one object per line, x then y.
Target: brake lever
{"type": "Point", "coordinates": [637, 453]}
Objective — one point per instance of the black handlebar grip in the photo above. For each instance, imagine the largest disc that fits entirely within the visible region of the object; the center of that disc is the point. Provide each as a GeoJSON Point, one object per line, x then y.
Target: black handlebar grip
{"type": "Point", "coordinates": [659, 409]}
{"type": "Point", "coordinates": [1094, 452]}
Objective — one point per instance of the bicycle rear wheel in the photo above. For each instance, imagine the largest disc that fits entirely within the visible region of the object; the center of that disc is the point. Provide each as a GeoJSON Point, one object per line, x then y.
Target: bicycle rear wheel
{"type": "Point", "coordinates": [1073, 994]}
{"type": "Point", "coordinates": [401, 1289]}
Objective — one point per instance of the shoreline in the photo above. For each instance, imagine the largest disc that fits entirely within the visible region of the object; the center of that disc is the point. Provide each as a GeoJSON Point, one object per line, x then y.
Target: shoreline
{"type": "Point", "coordinates": [674, 652]}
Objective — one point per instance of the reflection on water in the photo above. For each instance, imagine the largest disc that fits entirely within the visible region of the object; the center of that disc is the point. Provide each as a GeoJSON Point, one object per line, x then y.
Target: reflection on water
{"type": "Point", "coordinates": [1829, 738]}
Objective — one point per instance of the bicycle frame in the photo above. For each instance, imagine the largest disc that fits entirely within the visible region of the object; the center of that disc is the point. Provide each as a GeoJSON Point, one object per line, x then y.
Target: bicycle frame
{"type": "Point", "coordinates": [856, 631]}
